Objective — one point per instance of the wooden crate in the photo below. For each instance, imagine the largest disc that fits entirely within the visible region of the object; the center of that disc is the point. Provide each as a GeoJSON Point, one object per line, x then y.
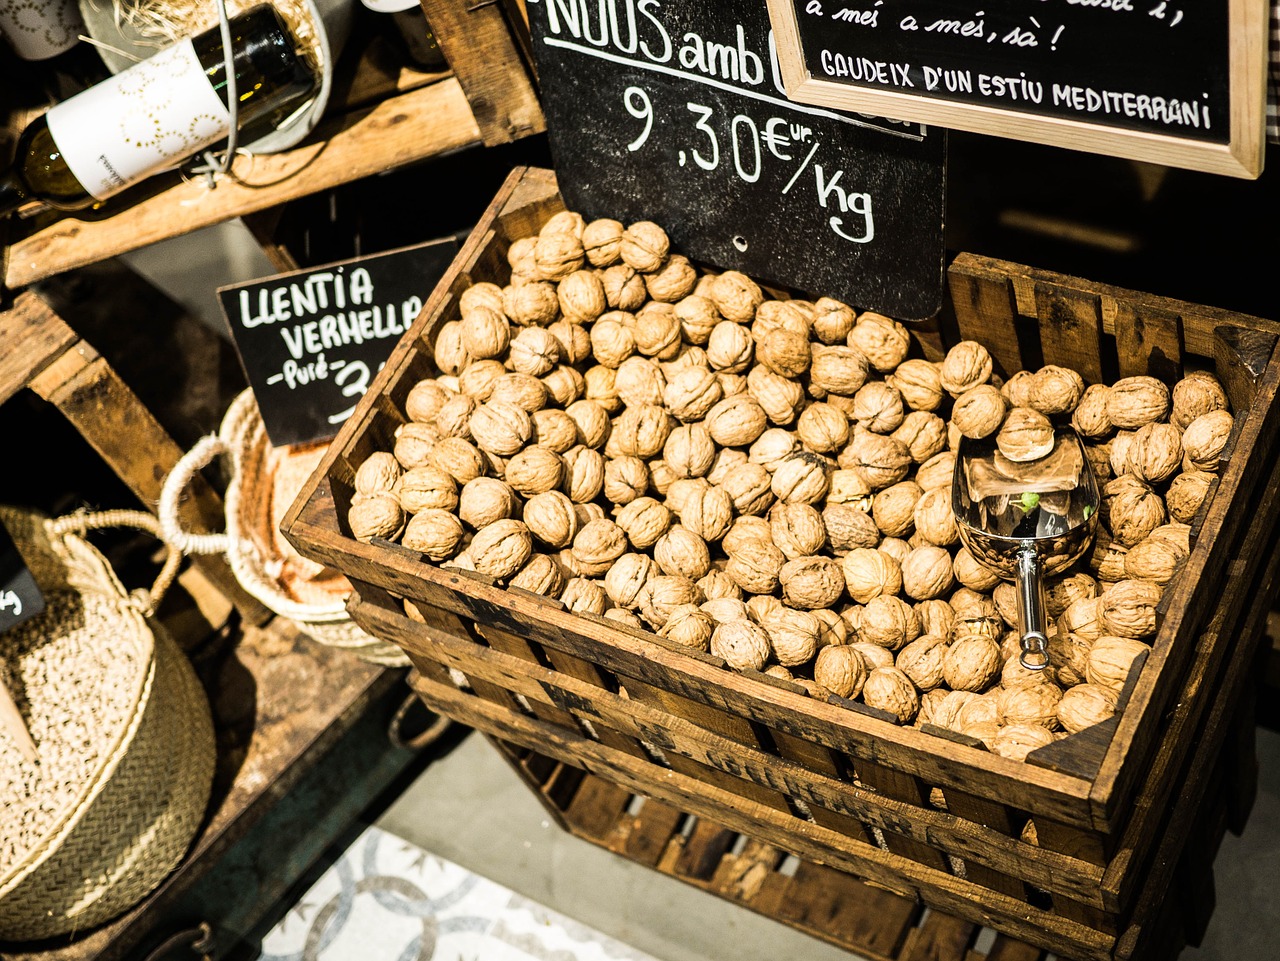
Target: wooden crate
{"type": "Point", "coordinates": [929, 817]}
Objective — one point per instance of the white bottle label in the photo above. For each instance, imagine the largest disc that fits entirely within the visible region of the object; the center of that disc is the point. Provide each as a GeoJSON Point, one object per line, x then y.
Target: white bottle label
{"type": "Point", "coordinates": [39, 29]}
{"type": "Point", "coordinates": [139, 122]}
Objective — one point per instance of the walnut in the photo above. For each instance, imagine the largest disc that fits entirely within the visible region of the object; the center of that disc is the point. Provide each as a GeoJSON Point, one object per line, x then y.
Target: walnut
{"type": "Point", "coordinates": [557, 255]}
{"type": "Point", "coordinates": [520, 254]}
{"type": "Point", "coordinates": [838, 370]}
{"type": "Point", "coordinates": [434, 533]}
{"type": "Point", "coordinates": [823, 428]}
{"type": "Point", "coordinates": [873, 654]}
{"type": "Point", "coordinates": [869, 573]}
{"type": "Point", "coordinates": [946, 714]}
{"type": "Point", "coordinates": [736, 296]}
{"type": "Point", "coordinates": [583, 474]}
{"type": "Point", "coordinates": [688, 626]}
{"type": "Point", "coordinates": [937, 472]}
{"type": "Point", "coordinates": [811, 582]}
{"type": "Point", "coordinates": [611, 341]}
{"type": "Point", "coordinates": [795, 316]}
{"type": "Point", "coordinates": [834, 629]}
{"type": "Point", "coordinates": [784, 352]}
{"type": "Point", "coordinates": [623, 288]}
{"type": "Point", "coordinates": [592, 421]}
{"type": "Point", "coordinates": [1026, 435]}
{"type": "Point", "coordinates": [979, 411]}
{"type": "Point", "coordinates": [689, 450]}
{"type": "Point", "coordinates": [1090, 418]}
{"type": "Point", "coordinates": [673, 281]}
{"type": "Point", "coordinates": [564, 384]}
{"type": "Point", "coordinates": [716, 584]}
{"type": "Point", "coordinates": [1128, 608]}
{"type": "Point", "coordinates": [480, 294]}
{"type": "Point", "coordinates": [966, 365]}
{"type": "Point", "coordinates": [750, 489]}
{"type": "Point", "coordinates": [644, 246]}
{"type": "Point", "coordinates": [841, 669]}
{"type": "Point", "coordinates": [484, 500]}
{"type": "Point", "coordinates": [923, 434]}
{"type": "Point", "coordinates": [485, 333]}
{"type": "Point", "coordinates": [1055, 390]}
{"type": "Point", "coordinates": [1030, 703]}
{"type": "Point", "coordinates": [639, 381]}
{"type": "Point", "coordinates": [741, 644]}
{"type": "Point", "coordinates": [1134, 511]}
{"type": "Point", "coordinates": [849, 487]}
{"type": "Point", "coordinates": [888, 689]}
{"type": "Point", "coordinates": [1154, 559]}
{"type": "Point", "coordinates": [745, 529]}
{"type": "Point", "coordinates": [888, 621]}
{"type": "Point", "coordinates": [501, 548]}
{"type": "Point", "coordinates": [582, 595]}
{"type": "Point", "coordinates": [531, 305]}
{"type": "Point", "coordinates": [378, 514]}
{"type": "Point", "coordinates": [551, 519]}
{"type": "Point", "coordinates": [698, 317]}
{"type": "Point", "coordinates": [662, 594]}
{"type": "Point", "coordinates": [927, 573]}
{"type": "Point", "coordinates": [880, 460]}
{"type": "Point", "coordinates": [1154, 453]}
{"type": "Point", "coordinates": [1086, 705]}
{"type": "Point", "coordinates": [691, 393]}
{"type": "Point", "coordinates": [972, 663]}
{"type": "Point", "coordinates": [772, 447]}
{"type": "Point", "coordinates": [625, 479]}
{"type": "Point", "coordinates": [919, 383]}
{"type": "Point", "coordinates": [458, 458]}
{"type": "Point", "coordinates": [661, 477]}
{"type": "Point", "coordinates": [1134, 401]}
{"type": "Point", "coordinates": [414, 443]}
{"type": "Point", "coordinates": [449, 353]}
{"type": "Point", "coordinates": [476, 382]}
{"type": "Point", "coordinates": [1186, 493]}
{"type": "Point", "coordinates": [420, 488]}
{"type": "Point", "coordinates": [832, 320]}
{"type": "Point", "coordinates": [884, 341]}
{"type": "Point", "coordinates": [1061, 592]}
{"type": "Point", "coordinates": [500, 427]}
{"type": "Point", "coordinates": [755, 565]}
{"type": "Point", "coordinates": [793, 635]}
{"type": "Point", "coordinates": [424, 400]}
{"type": "Point", "coordinates": [1194, 396]}
{"type": "Point", "coordinates": [564, 222]}
{"type": "Point", "coordinates": [624, 617]}
{"type": "Point", "coordinates": [642, 431]}
{"type": "Point", "coordinates": [1013, 674]}
{"type": "Point", "coordinates": [627, 577]}
{"type": "Point", "coordinates": [972, 573]}
{"type": "Point", "coordinates": [730, 348]}
{"type": "Point", "coordinates": [535, 470]}
{"type": "Point", "coordinates": [520, 389]}
{"type": "Point", "coordinates": [849, 528]}
{"type": "Point", "coordinates": [725, 609]}
{"type": "Point", "coordinates": [644, 520]}
{"type": "Point", "coordinates": [554, 430]}
{"type": "Point", "coordinates": [736, 421]}
{"type": "Point", "coordinates": [801, 478]}
{"type": "Point", "coordinates": [597, 545]}
{"type": "Point", "coordinates": [602, 242]}
{"type": "Point", "coordinates": [657, 331]}
{"type": "Point", "coordinates": [1016, 741]}
{"type": "Point", "coordinates": [780, 397]}
{"type": "Point", "coordinates": [934, 519]}
{"type": "Point", "coordinates": [1205, 439]}
{"type": "Point", "coordinates": [1111, 659]}
{"type": "Point", "coordinates": [540, 575]}
{"type": "Point", "coordinates": [894, 508]}
{"type": "Point", "coordinates": [377, 473]}
{"type": "Point", "coordinates": [535, 351]}
{"type": "Point", "coordinates": [922, 661]}
{"type": "Point", "coordinates": [1083, 617]}
{"type": "Point", "coordinates": [797, 530]}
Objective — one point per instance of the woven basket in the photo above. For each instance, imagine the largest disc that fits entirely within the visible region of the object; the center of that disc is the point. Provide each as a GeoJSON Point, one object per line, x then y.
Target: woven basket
{"type": "Point", "coordinates": [263, 562]}
{"type": "Point", "coordinates": [122, 731]}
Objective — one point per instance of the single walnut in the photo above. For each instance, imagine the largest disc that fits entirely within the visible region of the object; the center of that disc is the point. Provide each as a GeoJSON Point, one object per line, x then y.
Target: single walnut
{"type": "Point", "coordinates": [644, 246]}
{"type": "Point", "coordinates": [557, 255]}
{"type": "Point", "coordinates": [946, 714]}
{"type": "Point", "coordinates": [716, 584]}
{"type": "Point", "coordinates": [689, 450]}
{"type": "Point", "coordinates": [1026, 435]}
{"type": "Point", "coordinates": [414, 443]}
{"type": "Point", "coordinates": [520, 255]}
{"type": "Point", "coordinates": [458, 458]}
{"type": "Point", "coordinates": [755, 566]}
{"type": "Point", "coordinates": [531, 305]}
{"type": "Point", "coordinates": [979, 411]}
{"type": "Point", "coordinates": [736, 296]}
{"type": "Point", "coordinates": [801, 478]}
{"type": "Point", "coordinates": [870, 573]}
{"type": "Point", "coordinates": [480, 294]}
{"type": "Point", "coordinates": [1154, 559]}
{"type": "Point", "coordinates": [745, 529]}
{"type": "Point", "coordinates": [888, 622]}
{"type": "Point", "coordinates": [627, 577]}
{"type": "Point", "coordinates": [540, 575]}
{"type": "Point", "coordinates": [922, 660]}
{"type": "Point", "coordinates": [741, 644]}
{"type": "Point", "coordinates": [838, 370]}
{"type": "Point", "coordinates": [377, 473]}
{"type": "Point", "coordinates": [597, 545]}
{"type": "Point", "coordinates": [424, 400]}
{"type": "Point", "coordinates": [691, 393]}
{"type": "Point", "coordinates": [1016, 741]}
{"type": "Point", "coordinates": [592, 421]}
{"type": "Point", "coordinates": [750, 489]}
{"type": "Point", "coordinates": [972, 573]}
{"type": "Point", "coordinates": [424, 487]}
{"type": "Point", "coordinates": [484, 500]}
{"type": "Point", "coordinates": [583, 596]}
{"type": "Point", "coordinates": [1133, 512]}
{"type": "Point", "coordinates": [674, 280]}
{"type": "Point", "coordinates": [476, 382]}
{"type": "Point", "coordinates": [434, 533]}
{"type": "Point", "coordinates": [772, 447]}
{"type": "Point", "coordinates": [841, 669]}
{"type": "Point", "coordinates": [639, 382]}
{"type": "Point", "coordinates": [832, 320]}
{"type": "Point", "coordinates": [966, 365]}
{"type": "Point", "coordinates": [1155, 452]}
{"type": "Point", "coordinates": [554, 430]}
{"type": "Point", "coordinates": [1134, 401]}
{"type": "Point", "coordinates": [736, 421]}
{"type": "Point", "coordinates": [564, 222]}
{"type": "Point", "coordinates": [1055, 390]}
{"type": "Point", "coordinates": [583, 477]}
{"type": "Point", "coordinates": [793, 635]}
{"type": "Point", "coordinates": [657, 331]}
{"type": "Point", "coordinates": [937, 471]}
{"type": "Point", "coordinates": [376, 515]}
{"type": "Point", "coordinates": [894, 508]}
{"type": "Point", "coordinates": [1086, 705]}
{"type": "Point", "coordinates": [1090, 418]}
{"type": "Point", "coordinates": [602, 242]}
{"type": "Point", "coordinates": [1128, 608]}
{"type": "Point", "coordinates": [725, 609]}
{"type": "Point", "coordinates": [730, 348]}
{"type": "Point", "coordinates": [551, 518]}
{"type": "Point", "coordinates": [927, 573]}
{"type": "Point", "coordinates": [642, 431]}
{"type": "Point", "coordinates": [681, 489]}
{"type": "Point", "coordinates": [644, 520]}
{"type": "Point", "coordinates": [535, 470]}
{"type": "Point", "coordinates": [624, 617]}
{"type": "Point", "coordinates": [919, 383]}
{"type": "Point", "coordinates": [811, 582]}
{"type": "Point", "coordinates": [1186, 493]}
{"type": "Point", "coordinates": [449, 353]}
{"type": "Point", "coordinates": [624, 289]}
{"type": "Point", "coordinates": [1194, 396]}
{"type": "Point", "coordinates": [888, 689]}
{"type": "Point", "coordinates": [664, 593]}
{"type": "Point", "coordinates": [923, 434]}
{"type": "Point", "coordinates": [1083, 617]}
{"type": "Point", "coordinates": [534, 351]}
{"type": "Point", "coordinates": [934, 519]}
{"type": "Point", "coordinates": [1111, 659]}
{"type": "Point", "coordinates": [797, 530]}
{"type": "Point", "coordinates": [500, 427]}
{"type": "Point", "coordinates": [485, 333]}
{"type": "Point", "coordinates": [936, 617]}
{"type": "Point", "coordinates": [501, 548]}
{"type": "Point", "coordinates": [884, 341]}
{"type": "Point", "coordinates": [784, 352]}
{"type": "Point", "coordinates": [848, 528]}
{"type": "Point", "coordinates": [690, 627]}
{"type": "Point", "coordinates": [972, 663]}
{"type": "Point", "coordinates": [625, 479]}
{"type": "Point", "coordinates": [881, 461]}
{"type": "Point", "coordinates": [698, 317]}
{"type": "Point", "coordinates": [781, 398]}
{"type": "Point", "coordinates": [1061, 592]}
{"type": "Point", "coordinates": [1030, 704]}
{"type": "Point", "coordinates": [823, 428]}
{"type": "Point", "coordinates": [795, 316]}
{"type": "Point", "coordinates": [521, 390]}
{"type": "Point", "coordinates": [611, 341]}
{"type": "Point", "coordinates": [564, 384]}
{"type": "Point", "coordinates": [1205, 439]}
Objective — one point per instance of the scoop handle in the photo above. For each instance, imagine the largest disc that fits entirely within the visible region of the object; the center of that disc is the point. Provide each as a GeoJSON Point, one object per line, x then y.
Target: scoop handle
{"type": "Point", "coordinates": [1031, 617]}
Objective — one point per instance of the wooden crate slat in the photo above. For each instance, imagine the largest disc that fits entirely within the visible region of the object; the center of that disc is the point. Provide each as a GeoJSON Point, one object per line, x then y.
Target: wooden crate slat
{"type": "Point", "coordinates": [1148, 341]}
{"type": "Point", "coordinates": [985, 312]}
{"type": "Point", "coordinates": [1070, 329]}
{"type": "Point", "coordinates": [939, 936]}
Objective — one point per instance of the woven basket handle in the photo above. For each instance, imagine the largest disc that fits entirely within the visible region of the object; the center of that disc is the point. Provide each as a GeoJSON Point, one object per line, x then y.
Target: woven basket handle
{"type": "Point", "coordinates": [200, 456]}
{"type": "Point", "coordinates": [82, 522]}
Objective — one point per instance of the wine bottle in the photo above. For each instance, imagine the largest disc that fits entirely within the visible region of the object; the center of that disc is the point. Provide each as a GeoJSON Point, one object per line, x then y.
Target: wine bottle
{"type": "Point", "coordinates": [160, 111]}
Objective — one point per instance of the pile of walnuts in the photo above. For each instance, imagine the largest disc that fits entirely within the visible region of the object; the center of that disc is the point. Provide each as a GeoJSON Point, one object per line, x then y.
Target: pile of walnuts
{"type": "Point", "coordinates": [769, 479]}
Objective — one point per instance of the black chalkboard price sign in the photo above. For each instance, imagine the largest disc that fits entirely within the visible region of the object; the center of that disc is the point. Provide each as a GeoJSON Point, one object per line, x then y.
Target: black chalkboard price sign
{"type": "Point", "coordinates": [674, 111]}
{"type": "Point", "coordinates": [311, 340]}
{"type": "Point", "coordinates": [1175, 82]}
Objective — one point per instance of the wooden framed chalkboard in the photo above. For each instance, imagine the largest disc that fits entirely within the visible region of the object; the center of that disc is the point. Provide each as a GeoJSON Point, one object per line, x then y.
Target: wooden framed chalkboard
{"type": "Point", "coordinates": [675, 112]}
{"type": "Point", "coordinates": [1175, 82]}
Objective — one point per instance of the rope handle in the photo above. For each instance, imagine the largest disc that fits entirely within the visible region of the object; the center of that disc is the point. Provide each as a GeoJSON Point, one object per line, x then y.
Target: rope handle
{"type": "Point", "coordinates": [200, 456]}
{"type": "Point", "coordinates": [82, 522]}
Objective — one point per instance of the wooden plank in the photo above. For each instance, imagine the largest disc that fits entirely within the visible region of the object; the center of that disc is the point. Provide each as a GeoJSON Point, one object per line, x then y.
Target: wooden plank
{"type": "Point", "coordinates": [1148, 341]}
{"type": "Point", "coordinates": [1070, 329]}
{"type": "Point", "coordinates": [939, 938]}
{"type": "Point", "coordinates": [978, 810]}
{"type": "Point", "coordinates": [652, 832]}
{"type": "Point", "coordinates": [704, 847]}
{"type": "Point", "coordinates": [34, 337]}
{"type": "Point", "coordinates": [985, 311]}
{"type": "Point", "coordinates": [596, 808]}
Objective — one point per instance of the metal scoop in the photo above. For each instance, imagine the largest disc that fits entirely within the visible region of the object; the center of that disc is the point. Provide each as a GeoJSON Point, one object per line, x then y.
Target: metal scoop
{"type": "Point", "coordinates": [1026, 521]}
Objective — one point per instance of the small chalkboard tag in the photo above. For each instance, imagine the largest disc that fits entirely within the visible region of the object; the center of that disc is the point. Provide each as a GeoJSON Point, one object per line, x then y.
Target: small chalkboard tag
{"type": "Point", "coordinates": [675, 112]}
{"type": "Point", "coordinates": [310, 341]}
{"type": "Point", "coordinates": [20, 596]}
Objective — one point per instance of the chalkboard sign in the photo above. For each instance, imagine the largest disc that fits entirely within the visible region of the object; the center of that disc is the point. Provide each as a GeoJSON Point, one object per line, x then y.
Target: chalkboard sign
{"type": "Point", "coordinates": [20, 595]}
{"type": "Point", "coordinates": [1174, 82]}
{"type": "Point", "coordinates": [310, 341]}
{"type": "Point", "coordinates": [674, 112]}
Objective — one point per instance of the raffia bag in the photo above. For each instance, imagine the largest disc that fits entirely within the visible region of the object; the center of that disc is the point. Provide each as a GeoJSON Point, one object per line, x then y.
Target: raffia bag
{"type": "Point", "coordinates": [123, 735]}
{"type": "Point", "coordinates": [262, 482]}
